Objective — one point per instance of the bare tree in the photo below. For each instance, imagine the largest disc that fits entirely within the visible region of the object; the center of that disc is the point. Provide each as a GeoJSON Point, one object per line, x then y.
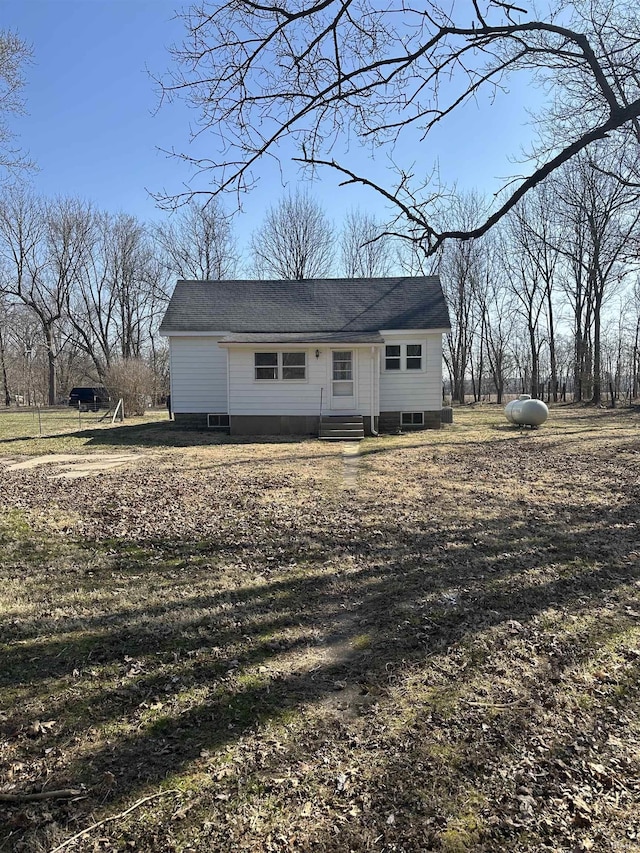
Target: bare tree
{"type": "Point", "coordinates": [131, 263]}
{"type": "Point", "coordinates": [576, 286]}
{"type": "Point", "coordinates": [295, 241]}
{"type": "Point", "coordinates": [499, 331]}
{"type": "Point", "coordinates": [24, 356]}
{"type": "Point", "coordinates": [90, 279]}
{"type": "Point", "coordinates": [528, 288]}
{"type": "Point", "coordinates": [532, 256]}
{"type": "Point", "coordinates": [198, 243]}
{"type": "Point", "coordinates": [495, 300]}
{"type": "Point", "coordinates": [461, 271]}
{"type": "Point", "coordinates": [114, 289]}
{"type": "Point", "coordinates": [92, 302]}
{"type": "Point", "coordinates": [14, 54]}
{"type": "Point", "coordinates": [365, 250]}
{"type": "Point", "coordinates": [635, 342]}
{"type": "Point", "coordinates": [66, 241]}
{"type": "Point", "coordinates": [42, 247]}
{"type": "Point", "coordinates": [5, 320]}
{"type": "Point", "coordinates": [314, 76]}
{"type": "Point", "coordinates": [602, 214]}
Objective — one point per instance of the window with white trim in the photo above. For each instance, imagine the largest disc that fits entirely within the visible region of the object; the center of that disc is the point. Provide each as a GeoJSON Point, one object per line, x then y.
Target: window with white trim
{"type": "Point", "coordinates": [414, 356]}
{"type": "Point", "coordinates": [272, 366]}
{"type": "Point", "coordinates": [294, 365]}
{"type": "Point", "coordinates": [412, 418]}
{"type": "Point", "coordinates": [392, 358]}
{"type": "Point", "coordinates": [404, 357]}
{"type": "Point", "coordinates": [266, 365]}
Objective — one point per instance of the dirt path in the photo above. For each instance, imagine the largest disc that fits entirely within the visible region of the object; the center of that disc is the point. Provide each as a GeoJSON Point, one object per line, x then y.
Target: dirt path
{"type": "Point", "coordinates": [351, 459]}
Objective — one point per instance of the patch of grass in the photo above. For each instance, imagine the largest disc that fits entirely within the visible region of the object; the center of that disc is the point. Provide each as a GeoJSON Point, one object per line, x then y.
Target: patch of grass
{"type": "Point", "coordinates": [461, 835]}
{"type": "Point", "coordinates": [13, 526]}
{"type": "Point", "coordinates": [60, 430]}
{"type": "Point", "coordinates": [361, 641]}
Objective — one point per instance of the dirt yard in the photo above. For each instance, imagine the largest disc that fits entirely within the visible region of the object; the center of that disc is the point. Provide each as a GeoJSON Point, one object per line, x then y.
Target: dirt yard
{"type": "Point", "coordinates": [432, 645]}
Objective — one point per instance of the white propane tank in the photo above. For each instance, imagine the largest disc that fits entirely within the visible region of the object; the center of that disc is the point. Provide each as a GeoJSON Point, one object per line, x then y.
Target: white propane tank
{"type": "Point", "coordinates": [526, 412]}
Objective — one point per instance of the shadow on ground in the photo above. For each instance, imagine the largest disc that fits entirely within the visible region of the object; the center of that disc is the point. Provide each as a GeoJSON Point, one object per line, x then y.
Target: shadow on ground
{"type": "Point", "coordinates": [339, 674]}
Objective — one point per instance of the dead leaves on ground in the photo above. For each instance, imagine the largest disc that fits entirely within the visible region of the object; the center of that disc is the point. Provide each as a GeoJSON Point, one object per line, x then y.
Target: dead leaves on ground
{"type": "Point", "coordinates": [447, 659]}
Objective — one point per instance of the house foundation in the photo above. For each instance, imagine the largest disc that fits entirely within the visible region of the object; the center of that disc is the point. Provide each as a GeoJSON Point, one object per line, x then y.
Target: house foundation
{"type": "Point", "coordinates": [386, 422]}
{"type": "Point", "coordinates": [392, 422]}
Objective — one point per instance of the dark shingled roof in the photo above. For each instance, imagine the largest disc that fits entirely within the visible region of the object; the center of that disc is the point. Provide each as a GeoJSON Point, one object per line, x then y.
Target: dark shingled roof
{"type": "Point", "coordinates": [314, 305]}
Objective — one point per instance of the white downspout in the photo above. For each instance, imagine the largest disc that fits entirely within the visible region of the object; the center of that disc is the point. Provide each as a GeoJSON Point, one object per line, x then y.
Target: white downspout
{"type": "Point", "coordinates": [171, 396]}
{"type": "Point", "coordinates": [373, 393]}
{"type": "Point", "coordinates": [229, 385]}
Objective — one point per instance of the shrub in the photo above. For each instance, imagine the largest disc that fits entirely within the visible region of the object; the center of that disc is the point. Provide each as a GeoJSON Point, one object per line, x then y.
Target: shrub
{"type": "Point", "coordinates": [133, 380]}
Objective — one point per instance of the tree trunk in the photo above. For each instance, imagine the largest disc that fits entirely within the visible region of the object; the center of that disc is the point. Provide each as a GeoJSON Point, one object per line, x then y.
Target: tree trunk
{"type": "Point", "coordinates": [577, 370]}
{"type": "Point", "coordinates": [636, 362]}
{"type": "Point", "coordinates": [553, 368]}
{"type": "Point", "coordinates": [596, 398]}
{"type": "Point", "coordinates": [481, 357]}
{"type": "Point", "coordinates": [51, 363]}
{"type": "Point", "coordinates": [3, 372]}
{"type": "Point", "coordinates": [535, 367]}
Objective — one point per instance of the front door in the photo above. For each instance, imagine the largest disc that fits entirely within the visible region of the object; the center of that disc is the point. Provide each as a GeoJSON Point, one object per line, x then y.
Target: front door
{"type": "Point", "coordinates": [343, 385]}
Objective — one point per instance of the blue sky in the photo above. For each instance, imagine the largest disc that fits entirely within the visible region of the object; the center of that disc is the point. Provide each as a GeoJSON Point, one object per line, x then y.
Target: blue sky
{"type": "Point", "coordinates": [91, 127]}
{"type": "Point", "coordinates": [94, 131]}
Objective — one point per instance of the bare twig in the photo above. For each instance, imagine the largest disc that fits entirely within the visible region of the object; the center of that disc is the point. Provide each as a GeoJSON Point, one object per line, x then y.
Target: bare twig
{"type": "Point", "coordinates": [118, 816]}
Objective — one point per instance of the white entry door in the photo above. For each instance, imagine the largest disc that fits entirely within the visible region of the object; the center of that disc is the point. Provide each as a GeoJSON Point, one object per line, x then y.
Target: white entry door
{"type": "Point", "coordinates": [343, 383]}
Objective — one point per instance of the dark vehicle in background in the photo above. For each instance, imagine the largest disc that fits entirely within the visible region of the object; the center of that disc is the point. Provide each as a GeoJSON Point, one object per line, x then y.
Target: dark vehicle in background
{"type": "Point", "coordinates": [89, 399]}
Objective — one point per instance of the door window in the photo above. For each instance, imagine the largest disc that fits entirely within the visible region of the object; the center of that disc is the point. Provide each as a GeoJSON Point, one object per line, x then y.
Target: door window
{"type": "Point", "coordinates": [343, 374]}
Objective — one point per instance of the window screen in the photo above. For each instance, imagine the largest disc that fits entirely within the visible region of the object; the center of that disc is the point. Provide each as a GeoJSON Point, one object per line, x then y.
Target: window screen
{"type": "Point", "coordinates": [392, 357]}
{"type": "Point", "coordinates": [414, 356]}
{"type": "Point", "coordinates": [266, 365]}
{"type": "Point", "coordinates": [294, 365]}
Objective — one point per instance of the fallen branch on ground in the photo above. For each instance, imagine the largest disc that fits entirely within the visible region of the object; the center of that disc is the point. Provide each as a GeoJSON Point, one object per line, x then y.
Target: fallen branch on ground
{"type": "Point", "coordinates": [112, 818]}
{"type": "Point", "coordinates": [63, 793]}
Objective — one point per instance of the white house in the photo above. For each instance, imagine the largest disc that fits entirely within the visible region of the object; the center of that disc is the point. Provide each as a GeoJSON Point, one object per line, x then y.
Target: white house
{"type": "Point", "coordinates": [335, 357]}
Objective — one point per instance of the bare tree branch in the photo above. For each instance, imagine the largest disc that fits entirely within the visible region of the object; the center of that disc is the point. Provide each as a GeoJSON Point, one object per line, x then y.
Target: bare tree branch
{"type": "Point", "coordinates": [14, 55]}
{"type": "Point", "coordinates": [265, 78]}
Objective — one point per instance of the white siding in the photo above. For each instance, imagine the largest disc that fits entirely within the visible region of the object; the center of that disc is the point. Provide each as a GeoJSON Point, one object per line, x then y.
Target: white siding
{"type": "Point", "coordinates": [198, 375]}
{"type": "Point", "coordinates": [250, 397]}
{"type": "Point", "coordinates": [199, 379]}
{"type": "Point", "coordinates": [413, 390]}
